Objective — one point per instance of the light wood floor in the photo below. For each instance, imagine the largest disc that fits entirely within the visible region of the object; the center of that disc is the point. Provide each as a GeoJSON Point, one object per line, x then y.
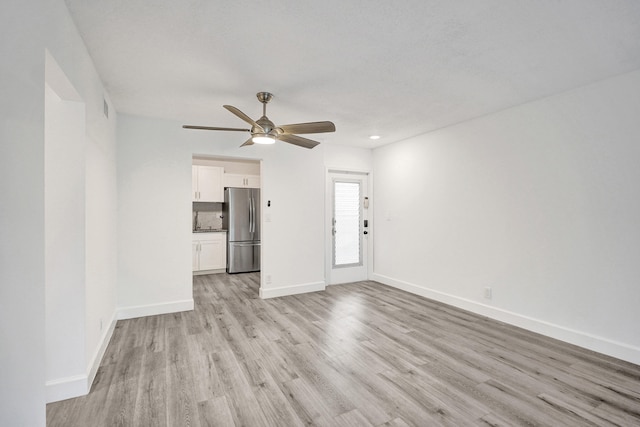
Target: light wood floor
{"type": "Point", "coordinates": [355, 355]}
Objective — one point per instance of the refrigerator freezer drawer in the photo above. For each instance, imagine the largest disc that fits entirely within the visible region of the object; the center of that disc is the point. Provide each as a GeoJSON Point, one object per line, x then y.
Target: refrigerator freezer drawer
{"type": "Point", "coordinates": [243, 257]}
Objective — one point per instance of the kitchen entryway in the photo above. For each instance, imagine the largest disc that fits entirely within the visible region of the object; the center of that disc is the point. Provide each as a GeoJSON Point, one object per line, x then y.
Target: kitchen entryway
{"type": "Point", "coordinates": [216, 220]}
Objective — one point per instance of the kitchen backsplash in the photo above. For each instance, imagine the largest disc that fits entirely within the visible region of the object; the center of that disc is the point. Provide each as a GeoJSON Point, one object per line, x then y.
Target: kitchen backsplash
{"type": "Point", "coordinates": [209, 215]}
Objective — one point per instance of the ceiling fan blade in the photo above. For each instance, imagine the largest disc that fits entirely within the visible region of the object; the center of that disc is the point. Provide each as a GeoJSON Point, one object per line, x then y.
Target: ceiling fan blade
{"type": "Point", "coordinates": [247, 142]}
{"type": "Point", "coordinates": [297, 140]}
{"type": "Point", "coordinates": [214, 128]}
{"type": "Point", "coordinates": [312, 127]}
{"type": "Point", "coordinates": [243, 116]}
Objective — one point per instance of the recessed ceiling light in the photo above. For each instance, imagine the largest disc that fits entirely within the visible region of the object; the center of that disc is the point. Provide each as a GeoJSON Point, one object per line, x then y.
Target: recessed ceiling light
{"type": "Point", "coordinates": [374, 137]}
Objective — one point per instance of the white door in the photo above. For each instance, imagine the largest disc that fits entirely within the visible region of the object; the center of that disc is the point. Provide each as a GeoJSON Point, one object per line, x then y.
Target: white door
{"type": "Point", "coordinates": [348, 226]}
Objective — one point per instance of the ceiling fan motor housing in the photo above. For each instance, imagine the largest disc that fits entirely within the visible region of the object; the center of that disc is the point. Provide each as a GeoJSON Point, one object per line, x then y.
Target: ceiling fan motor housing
{"type": "Point", "coordinates": [268, 128]}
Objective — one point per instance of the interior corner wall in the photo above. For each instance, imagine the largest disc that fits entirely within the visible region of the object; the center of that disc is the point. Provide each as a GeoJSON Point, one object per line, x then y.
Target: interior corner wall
{"type": "Point", "coordinates": [64, 227]}
{"type": "Point", "coordinates": [539, 202]}
{"type": "Point", "coordinates": [94, 181]}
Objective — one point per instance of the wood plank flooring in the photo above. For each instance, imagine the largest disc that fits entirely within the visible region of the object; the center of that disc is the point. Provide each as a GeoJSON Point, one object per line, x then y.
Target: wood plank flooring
{"type": "Point", "coordinates": [361, 354]}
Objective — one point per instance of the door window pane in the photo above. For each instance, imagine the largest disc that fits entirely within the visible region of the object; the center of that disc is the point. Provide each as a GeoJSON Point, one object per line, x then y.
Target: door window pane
{"type": "Point", "coordinates": [346, 242]}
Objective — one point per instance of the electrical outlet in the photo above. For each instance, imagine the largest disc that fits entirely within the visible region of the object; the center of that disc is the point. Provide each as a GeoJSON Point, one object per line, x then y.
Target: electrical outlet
{"type": "Point", "coordinates": [267, 278]}
{"type": "Point", "coordinates": [101, 324]}
{"type": "Point", "coordinates": [488, 293]}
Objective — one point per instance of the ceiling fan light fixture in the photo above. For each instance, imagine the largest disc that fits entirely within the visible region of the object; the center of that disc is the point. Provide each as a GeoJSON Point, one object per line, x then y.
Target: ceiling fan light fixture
{"type": "Point", "coordinates": [263, 139]}
{"type": "Point", "coordinates": [263, 131]}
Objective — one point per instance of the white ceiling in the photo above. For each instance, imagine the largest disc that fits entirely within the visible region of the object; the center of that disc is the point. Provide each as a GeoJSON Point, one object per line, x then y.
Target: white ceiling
{"type": "Point", "coordinates": [394, 68]}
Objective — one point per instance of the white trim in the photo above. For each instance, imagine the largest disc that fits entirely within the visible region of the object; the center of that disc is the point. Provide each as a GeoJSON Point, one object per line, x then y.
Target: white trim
{"type": "Point", "coordinates": [338, 169]}
{"type": "Point", "coordinates": [80, 385]}
{"type": "Point", "coordinates": [582, 339]}
{"type": "Point", "coordinates": [66, 388]}
{"type": "Point", "coordinates": [291, 290]}
{"type": "Point", "coordinates": [205, 272]}
{"type": "Point", "coordinates": [154, 309]}
{"type": "Point", "coordinates": [99, 354]}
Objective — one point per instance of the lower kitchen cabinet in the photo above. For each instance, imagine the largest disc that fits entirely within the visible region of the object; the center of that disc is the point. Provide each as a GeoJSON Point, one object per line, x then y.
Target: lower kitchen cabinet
{"type": "Point", "coordinates": [209, 251]}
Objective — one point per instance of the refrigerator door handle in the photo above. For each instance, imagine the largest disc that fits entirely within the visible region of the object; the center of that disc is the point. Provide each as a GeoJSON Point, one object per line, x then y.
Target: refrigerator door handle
{"type": "Point", "coordinates": [251, 215]}
{"type": "Point", "coordinates": [249, 207]}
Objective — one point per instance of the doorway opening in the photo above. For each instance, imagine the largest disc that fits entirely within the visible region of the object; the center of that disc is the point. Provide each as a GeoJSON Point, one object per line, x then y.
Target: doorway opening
{"type": "Point", "coordinates": [219, 241]}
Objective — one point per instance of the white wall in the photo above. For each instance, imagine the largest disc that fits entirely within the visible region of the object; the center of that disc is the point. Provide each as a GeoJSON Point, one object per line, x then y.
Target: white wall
{"type": "Point", "coordinates": [22, 361]}
{"type": "Point", "coordinates": [235, 166]}
{"type": "Point", "coordinates": [348, 158]}
{"type": "Point", "coordinates": [154, 176]}
{"type": "Point", "coordinates": [28, 29]}
{"type": "Point", "coordinates": [539, 202]}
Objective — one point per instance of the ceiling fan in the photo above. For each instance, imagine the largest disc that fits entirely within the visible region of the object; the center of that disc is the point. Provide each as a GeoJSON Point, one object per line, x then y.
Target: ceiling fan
{"type": "Point", "coordinates": [263, 131]}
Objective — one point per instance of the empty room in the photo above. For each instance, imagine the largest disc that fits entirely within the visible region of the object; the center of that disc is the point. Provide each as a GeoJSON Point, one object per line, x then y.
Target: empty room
{"type": "Point", "coordinates": [338, 213]}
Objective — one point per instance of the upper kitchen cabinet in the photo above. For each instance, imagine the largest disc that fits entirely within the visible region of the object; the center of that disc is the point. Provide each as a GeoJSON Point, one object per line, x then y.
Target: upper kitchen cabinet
{"type": "Point", "coordinates": [207, 184]}
{"type": "Point", "coordinates": [241, 180]}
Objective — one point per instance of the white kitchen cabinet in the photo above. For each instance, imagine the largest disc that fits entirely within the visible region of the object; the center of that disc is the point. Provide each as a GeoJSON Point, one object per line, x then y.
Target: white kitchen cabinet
{"type": "Point", "coordinates": [207, 184]}
{"type": "Point", "coordinates": [241, 181]}
{"type": "Point", "coordinates": [209, 251]}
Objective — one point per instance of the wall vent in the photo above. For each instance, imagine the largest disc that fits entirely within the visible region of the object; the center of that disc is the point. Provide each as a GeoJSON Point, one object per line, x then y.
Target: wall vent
{"type": "Point", "coordinates": [105, 107]}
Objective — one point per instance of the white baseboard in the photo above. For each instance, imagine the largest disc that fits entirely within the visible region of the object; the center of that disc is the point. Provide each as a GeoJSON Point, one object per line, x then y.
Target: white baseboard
{"type": "Point", "coordinates": [94, 364]}
{"type": "Point", "coordinates": [80, 385]}
{"type": "Point", "coordinates": [66, 388]}
{"type": "Point", "coordinates": [205, 272]}
{"type": "Point", "coordinates": [154, 309]}
{"type": "Point", "coordinates": [291, 290]}
{"type": "Point", "coordinates": [582, 339]}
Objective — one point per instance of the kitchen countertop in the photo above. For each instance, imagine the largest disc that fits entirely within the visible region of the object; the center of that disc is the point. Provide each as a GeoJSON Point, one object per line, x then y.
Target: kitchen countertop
{"type": "Point", "coordinates": [210, 230]}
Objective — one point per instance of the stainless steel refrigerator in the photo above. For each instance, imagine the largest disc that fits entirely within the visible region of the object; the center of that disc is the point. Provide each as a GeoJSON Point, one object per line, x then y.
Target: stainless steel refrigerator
{"type": "Point", "coordinates": [241, 218]}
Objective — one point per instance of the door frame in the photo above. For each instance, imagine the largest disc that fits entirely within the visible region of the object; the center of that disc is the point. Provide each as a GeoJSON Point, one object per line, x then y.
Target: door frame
{"type": "Point", "coordinates": [367, 177]}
